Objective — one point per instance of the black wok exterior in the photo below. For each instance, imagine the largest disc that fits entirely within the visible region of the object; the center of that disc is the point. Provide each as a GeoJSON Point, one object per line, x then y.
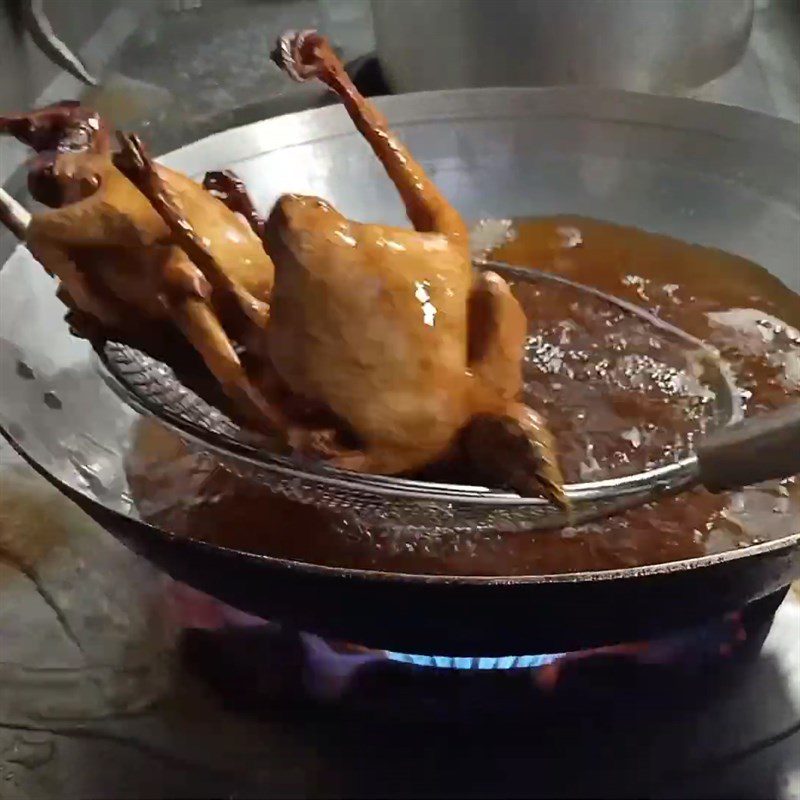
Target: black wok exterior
{"type": "Point", "coordinates": [464, 616]}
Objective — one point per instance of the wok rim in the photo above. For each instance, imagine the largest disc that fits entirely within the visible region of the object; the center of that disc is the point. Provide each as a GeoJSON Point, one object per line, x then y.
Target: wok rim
{"type": "Point", "coordinates": [729, 122]}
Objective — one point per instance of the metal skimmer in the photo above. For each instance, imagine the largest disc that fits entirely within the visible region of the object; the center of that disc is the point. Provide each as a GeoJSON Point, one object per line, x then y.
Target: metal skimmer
{"type": "Point", "coordinates": [153, 388]}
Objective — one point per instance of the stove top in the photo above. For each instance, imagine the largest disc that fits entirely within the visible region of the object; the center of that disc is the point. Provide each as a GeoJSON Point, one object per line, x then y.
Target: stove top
{"type": "Point", "coordinates": [254, 663]}
{"type": "Point", "coordinates": [243, 717]}
{"type": "Point", "coordinates": [236, 721]}
{"type": "Point", "coordinates": [712, 713]}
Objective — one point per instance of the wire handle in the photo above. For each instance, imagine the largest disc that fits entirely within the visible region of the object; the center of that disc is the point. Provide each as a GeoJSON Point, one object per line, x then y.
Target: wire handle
{"type": "Point", "coordinates": [757, 449]}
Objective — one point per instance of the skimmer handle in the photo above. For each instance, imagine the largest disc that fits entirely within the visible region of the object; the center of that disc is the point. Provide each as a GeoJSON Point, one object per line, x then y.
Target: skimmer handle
{"type": "Point", "coordinates": [754, 450]}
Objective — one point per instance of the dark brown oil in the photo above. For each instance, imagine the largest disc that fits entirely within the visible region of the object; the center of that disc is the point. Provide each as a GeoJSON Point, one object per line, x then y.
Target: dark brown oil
{"type": "Point", "coordinates": [607, 419]}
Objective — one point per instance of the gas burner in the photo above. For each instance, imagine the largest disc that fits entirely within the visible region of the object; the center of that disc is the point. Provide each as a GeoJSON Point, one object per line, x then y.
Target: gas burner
{"type": "Point", "coordinates": [253, 663]}
{"type": "Point", "coordinates": [718, 638]}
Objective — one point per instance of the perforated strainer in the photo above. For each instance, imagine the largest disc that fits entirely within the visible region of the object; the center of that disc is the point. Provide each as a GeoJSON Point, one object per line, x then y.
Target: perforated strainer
{"type": "Point", "coordinates": [730, 452]}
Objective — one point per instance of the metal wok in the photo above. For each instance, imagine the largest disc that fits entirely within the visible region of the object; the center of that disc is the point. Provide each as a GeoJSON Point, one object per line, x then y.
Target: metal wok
{"type": "Point", "coordinates": [710, 174]}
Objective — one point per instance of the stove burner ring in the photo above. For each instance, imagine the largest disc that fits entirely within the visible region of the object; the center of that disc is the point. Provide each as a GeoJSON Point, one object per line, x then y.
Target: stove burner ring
{"type": "Point", "coordinates": [481, 663]}
{"type": "Point", "coordinates": [332, 669]}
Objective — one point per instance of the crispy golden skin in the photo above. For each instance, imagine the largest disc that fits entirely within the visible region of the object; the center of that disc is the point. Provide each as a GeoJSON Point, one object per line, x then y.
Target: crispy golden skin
{"type": "Point", "coordinates": [390, 328]}
{"type": "Point", "coordinates": [120, 271]}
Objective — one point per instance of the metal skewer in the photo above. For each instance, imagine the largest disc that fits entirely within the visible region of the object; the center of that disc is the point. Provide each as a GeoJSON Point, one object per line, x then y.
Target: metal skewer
{"type": "Point", "coordinates": [13, 215]}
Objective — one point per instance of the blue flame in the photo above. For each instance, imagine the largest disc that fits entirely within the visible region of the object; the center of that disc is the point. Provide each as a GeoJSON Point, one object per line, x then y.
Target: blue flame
{"type": "Point", "coordinates": [690, 646]}
{"type": "Point", "coordinates": [485, 663]}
